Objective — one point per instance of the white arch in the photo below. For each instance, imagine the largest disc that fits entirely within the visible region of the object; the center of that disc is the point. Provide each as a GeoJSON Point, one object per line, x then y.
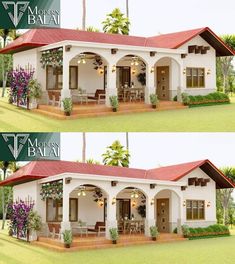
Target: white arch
{"type": "Point", "coordinates": [121, 56]}
{"type": "Point", "coordinates": [174, 58]}
{"type": "Point", "coordinates": [81, 51]}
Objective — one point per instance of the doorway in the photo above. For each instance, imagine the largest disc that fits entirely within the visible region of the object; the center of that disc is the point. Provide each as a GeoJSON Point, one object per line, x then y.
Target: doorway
{"type": "Point", "coordinates": [163, 82]}
{"type": "Point", "coordinates": [163, 215]}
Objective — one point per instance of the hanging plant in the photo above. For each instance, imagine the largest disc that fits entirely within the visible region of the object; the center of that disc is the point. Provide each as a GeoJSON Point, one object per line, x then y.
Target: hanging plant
{"type": "Point", "coordinates": [97, 62]}
{"type": "Point", "coordinates": [142, 75]}
{"type": "Point", "coordinates": [52, 190]}
{"type": "Point", "coordinates": [142, 207]}
{"type": "Point", "coordinates": [53, 57]}
{"type": "Point", "coordinates": [97, 194]}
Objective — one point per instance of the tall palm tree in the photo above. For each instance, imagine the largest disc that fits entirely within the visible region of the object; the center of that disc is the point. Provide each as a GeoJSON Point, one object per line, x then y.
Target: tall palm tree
{"type": "Point", "coordinates": [4, 166]}
{"type": "Point", "coordinates": [83, 14]}
{"type": "Point", "coordinates": [127, 8]}
{"type": "Point", "coordinates": [116, 23]}
{"type": "Point", "coordinates": [83, 147]}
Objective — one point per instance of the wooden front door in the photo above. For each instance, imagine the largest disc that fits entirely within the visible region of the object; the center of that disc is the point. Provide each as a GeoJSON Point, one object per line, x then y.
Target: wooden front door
{"type": "Point", "coordinates": [124, 76]}
{"type": "Point", "coordinates": [163, 82]}
{"type": "Point", "coordinates": [163, 215]}
{"type": "Point", "coordinates": [124, 208]}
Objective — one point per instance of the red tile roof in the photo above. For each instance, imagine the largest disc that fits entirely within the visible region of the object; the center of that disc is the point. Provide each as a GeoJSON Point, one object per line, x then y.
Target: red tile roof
{"type": "Point", "coordinates": [42, 169]}
{"type": "Point", "coordinates": [41, 37]}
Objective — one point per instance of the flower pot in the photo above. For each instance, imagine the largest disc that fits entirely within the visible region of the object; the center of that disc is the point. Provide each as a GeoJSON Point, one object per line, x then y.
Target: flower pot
{"type": "Point", "coordinates": [67, 245]}
{"type": "Point", "coordinates": [154, 106]}
{"type": "Point", "coordinates": [67, 113]}
{"type": "Point", "coordinates": [154, 238]}
{"type": "Point", "coordinates": [114, 109]}
{"type": "Point", "coordinates": [114, 242]}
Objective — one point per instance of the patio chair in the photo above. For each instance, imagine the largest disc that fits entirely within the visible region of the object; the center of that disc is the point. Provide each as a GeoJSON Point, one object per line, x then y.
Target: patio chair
{"type": "Point", "coordinates": [57, 97]}
{"type": "Point", "coordinates": [95, 96]}
{"type": "Point", "coordinates": [51, 98]}
{"type": "Point", "coordinates": [54, 230]}
{"type": "Point", "coordinates": [98, 228]}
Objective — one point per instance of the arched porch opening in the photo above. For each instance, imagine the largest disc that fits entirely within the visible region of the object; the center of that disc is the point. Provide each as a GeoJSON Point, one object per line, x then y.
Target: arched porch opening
{"type": "Point", "coordinates": [167, 210]}
{"type": "Point", "coordinates": [131, 211]}
{"type": "Point", "coordinates": [167, 78]}
{"type": "Point", "coordinates": [131, 78]}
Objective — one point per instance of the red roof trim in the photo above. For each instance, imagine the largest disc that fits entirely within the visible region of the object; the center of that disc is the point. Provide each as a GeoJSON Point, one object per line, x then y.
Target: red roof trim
{"type": "Point", "coordinates": [19, 179]}
{"type": "Point", "coordinates": [12, 48]}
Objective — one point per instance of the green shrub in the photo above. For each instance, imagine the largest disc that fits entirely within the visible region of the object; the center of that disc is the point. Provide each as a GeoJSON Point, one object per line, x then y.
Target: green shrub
{"type": "Point", "coordinates": [113, 234]}
{"type": "Point", "coordinates": [185, 98]}
{"type": "Point", "coordinates": [114, 101]}
{"type": "Point", "coordinates": [175, 98]}
{"type": "Point", "coordinates": [153, 99]}
{"type": "Point", "coordinates": [68, 105]}
{"type": "Point", "coordinates": [175, 230]}
{"type": "Point", "coordinates": [153, 231]}
{"type": "Point", "coordinates": [201, 99]}
{"type": "Point", "coordinates": [68, 237]}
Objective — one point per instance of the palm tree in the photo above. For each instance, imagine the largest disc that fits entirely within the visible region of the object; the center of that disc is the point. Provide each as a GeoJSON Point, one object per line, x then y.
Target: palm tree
{"type": "Point", "coordinates": [83, 14]}
{"type": "Point", "coordinates": [83, 147]}
{"type": "Point", "coordinates": [225, 63]}
{"type": "Point", "coordinates": [116, 155]}
{"type": "Point", "coordinates": [127, 8]}
{"type": "Point", "coordinates": [116, 23]}
{"type": "Point", "coordinates": [6, 192]}
{"type": "Point", "coordinates": [224, 196]}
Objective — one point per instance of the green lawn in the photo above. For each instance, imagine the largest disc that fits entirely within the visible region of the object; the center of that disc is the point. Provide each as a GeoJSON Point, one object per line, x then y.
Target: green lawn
{"type": "Point", "coordinates": [215, 250]}
{"type": "Point", "coordinates": [219, 118]}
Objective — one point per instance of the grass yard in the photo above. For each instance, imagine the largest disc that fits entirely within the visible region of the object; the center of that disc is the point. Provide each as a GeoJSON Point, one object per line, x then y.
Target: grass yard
{"type": "Point", "coordinates": [215, 250]}
{"type": "Point", "coordinates": [220, 118]}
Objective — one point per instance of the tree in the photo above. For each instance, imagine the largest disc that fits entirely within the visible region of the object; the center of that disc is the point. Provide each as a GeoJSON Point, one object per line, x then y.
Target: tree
{"type": "Point", "coordinates": [224, 196]}
{"type": "Point", "coordinates": [6, 191]}
{"type": "Point", "coordinates": [6, 60]}
{"type": "Point", "coordinates": [83, 14]}
{"type": "Point", "coordinates": [116, 155]}
{"type": "Point", "coordinates": [127, 8]}
{"type": "Point", "coordinates": [225, 63]}
{"type": "Point", "coordinates": [116, 23]}
{"type": "Point", "coordinates": [83, 147]}
{"type": "Point", "coordinates": [92, 29]}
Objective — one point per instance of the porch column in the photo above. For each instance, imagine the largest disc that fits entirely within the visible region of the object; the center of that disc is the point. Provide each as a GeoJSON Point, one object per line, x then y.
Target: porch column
{"type": "Point", "coordinates": [65, 224]}
{"type": "Point", "coordinates": [111, 221]}
{"type": "Point", "coordinates": [181, 219]}
{"type": "Point", "coordinates": [150, 219]}
{"type": "Point", "coordinates": [111, 82]}
{"type": "Point", "coordinates": [150, 83]}
{"type": "Point", "coordinates": [180, 87]}
{"type": "Point", "coordinates": [65, 92]}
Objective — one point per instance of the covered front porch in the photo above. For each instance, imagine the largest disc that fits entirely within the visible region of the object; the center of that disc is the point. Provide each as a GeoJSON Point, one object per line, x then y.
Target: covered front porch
{"type": "Point", "coordinates": [91, 75]}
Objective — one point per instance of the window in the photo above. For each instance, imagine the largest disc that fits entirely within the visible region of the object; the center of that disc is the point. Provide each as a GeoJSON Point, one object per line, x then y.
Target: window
{"type": "Point", "coordinates": [195, 210]}
{"type": "Point", "coordinates": [54, 80]}
{"type": "Point", "coordinates": [54, 210]}
{"type": "Point", "coordinates": [195, 78]}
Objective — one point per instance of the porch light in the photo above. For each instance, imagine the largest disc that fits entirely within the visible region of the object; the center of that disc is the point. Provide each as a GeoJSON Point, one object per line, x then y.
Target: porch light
{"type": "Point", "coordinates": [133, 71]}
{"type": "Point", "coordinates": [184, 203]}
{"type": "Point", "coordinates": [152, 70]}
{"type": "Point", "coordinates": [100, 202]}
{"type": "Point", "coordinates": [152, 202]}
{"type": "Point", "coordinates": [134, 194]}
{"type": "Point", "coordinates": [135, 61]}
{"type": "Point", "coordinates": [208, 71]}
{"type": "Point", "coordinates": [113, 201]}
{"type": "Point", "coordinates": [82, 59]}
{"type": "Point", "coordinates": [133, 203]}
{"type": "Point", "coordinates": [81, 192]}
{"type": "Point", "coordinates": [184, 71]}
{"type": "Point", "coordinates": [208, 204]}
{"type": "Point", "coordinates": [113, 68]}
{"type": "Point", "coordinates": [101, 70]}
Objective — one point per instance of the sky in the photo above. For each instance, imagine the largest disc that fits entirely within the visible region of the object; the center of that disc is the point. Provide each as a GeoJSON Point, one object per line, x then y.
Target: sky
{"type": "Point", "coordinates": [151, 17]}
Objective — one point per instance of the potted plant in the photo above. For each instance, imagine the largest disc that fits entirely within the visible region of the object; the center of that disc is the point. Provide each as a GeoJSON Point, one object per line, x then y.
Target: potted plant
{"type": "Point", "coordinates": [153, 232]}
{"type": "Point", "coordinates": [34, 224]}
{"type": "Point", "coordinates": [68, 238]}
{"type": "Point", "coordinates": [154, 100]}
{"type": "Point", "coordinates": [35, 92]}
{"type": "Point", "coordinates": [114, 235]}
{"type": "Point", "coordinates": [68, 106]}
{"type": "Point", "coordinates": [114, 102]}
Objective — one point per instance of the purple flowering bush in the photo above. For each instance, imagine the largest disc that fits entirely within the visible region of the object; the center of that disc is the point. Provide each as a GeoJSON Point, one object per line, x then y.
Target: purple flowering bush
{"type": "Point", "coordinates": [19, 218]}
{"type": "Point", "coordinates": [19, 91]}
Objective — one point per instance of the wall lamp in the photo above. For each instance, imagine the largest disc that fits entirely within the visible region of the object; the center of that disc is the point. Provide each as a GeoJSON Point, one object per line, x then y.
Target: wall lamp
{"type": "Point", "coordinates": [113, 68]}
{"type": "Point", "coordinates": [152, 202]}
{"type": "Point", "coordinates": [101, 202]}
{"type": "Point", "coordinates": [133, 203]}
{"type": "Point", "coordinates": [113, 201]}
{"type": "Point", "coordinates": [101, 71]}
{"type": "Point", "coordinates": [208, 204]}
{"type": "Point", "coordinates": [152, 70]}
{"type": "Point", "coordinates": [184, 203]}
{"type": "Point", "coordinates": [184, 71]}
{"type": "Point", "coordinates": [208, 72]}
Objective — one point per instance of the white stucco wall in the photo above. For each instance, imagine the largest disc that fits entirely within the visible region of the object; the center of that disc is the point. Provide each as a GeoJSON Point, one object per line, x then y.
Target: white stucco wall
{"type": "Point", "coordinates": [206, 61]}
{"type": "Point", "coordinates": [206, 193]}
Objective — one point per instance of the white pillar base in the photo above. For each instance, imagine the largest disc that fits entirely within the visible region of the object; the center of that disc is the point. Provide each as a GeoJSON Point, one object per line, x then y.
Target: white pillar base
{"type": "Point", "coordinates": [111, 92]}
{"type": "Point", "coordinates": [179, 96]}
{"type": "Point", "coordinates": [148, 224]}
{"type": "Point", "coordinates": [149, 90]}
{"type": "Point", "coordinates": [110, 224]}
{"type": "Point", "coordinates": [179, 227]}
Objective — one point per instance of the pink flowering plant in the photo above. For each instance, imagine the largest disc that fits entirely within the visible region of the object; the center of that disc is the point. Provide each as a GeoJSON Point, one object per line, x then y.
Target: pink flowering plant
{"type": "Point", "coordinates": [19, 218]}
{"type": "Point", "coordinates": [19, 91]}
